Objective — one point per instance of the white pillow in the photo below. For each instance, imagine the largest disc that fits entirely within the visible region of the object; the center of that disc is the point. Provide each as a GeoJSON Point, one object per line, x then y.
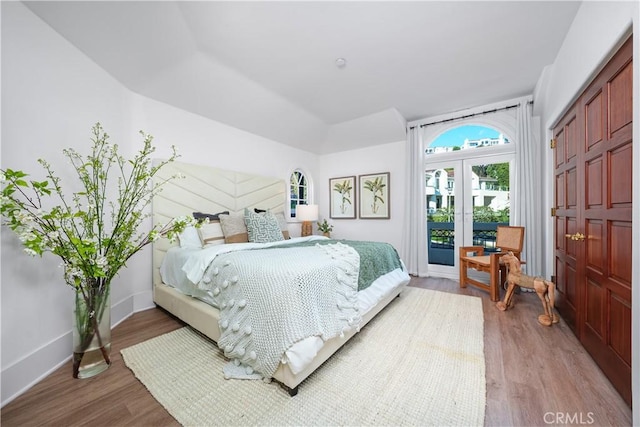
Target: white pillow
{"type": "Point", "coordinates": [283, 225]}
{"type": "Point", "coordinates": [234, 228]}
{"type": "Point", "coordinates": [211, 233]}
{"type": "Point", "coordinates": [189, 238]}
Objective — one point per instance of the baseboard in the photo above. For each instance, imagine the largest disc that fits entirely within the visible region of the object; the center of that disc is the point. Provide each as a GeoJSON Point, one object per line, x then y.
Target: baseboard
{"type": "Point", "coordinates": [34, 367]}
{"type": "Point", "coordinates": [453, 276]}
{"type": "Point", "coordinates": [31, 369]}
{"type": "Point", "coordinates": [143, 301]}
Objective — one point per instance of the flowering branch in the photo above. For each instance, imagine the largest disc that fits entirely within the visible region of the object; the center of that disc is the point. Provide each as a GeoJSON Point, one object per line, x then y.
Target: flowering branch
{"type": "Point", "coordinates": [77, 230]}
{"type": "Point", "coordinates": [92, 248]}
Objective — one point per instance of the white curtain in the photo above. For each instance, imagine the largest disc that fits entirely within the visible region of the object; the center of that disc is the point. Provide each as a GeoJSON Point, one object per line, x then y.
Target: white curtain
{"type": "Point", "coordinates": [528, 194]}
{"type": "Point", "coordinates": [414, 234]}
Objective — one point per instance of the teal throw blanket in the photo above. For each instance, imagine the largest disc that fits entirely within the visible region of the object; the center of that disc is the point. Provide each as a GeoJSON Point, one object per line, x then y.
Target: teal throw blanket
{"type": "Point", "coordinates": [376, 258]}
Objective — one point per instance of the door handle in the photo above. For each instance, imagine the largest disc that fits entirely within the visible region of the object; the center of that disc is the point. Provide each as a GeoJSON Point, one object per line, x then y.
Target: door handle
{"type": "Point", "coordinates": [579, 237]}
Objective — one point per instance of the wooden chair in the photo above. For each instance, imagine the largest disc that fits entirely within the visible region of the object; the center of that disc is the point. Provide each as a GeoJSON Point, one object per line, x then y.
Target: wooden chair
{"type": "Point", "coordinates": [508, 238]}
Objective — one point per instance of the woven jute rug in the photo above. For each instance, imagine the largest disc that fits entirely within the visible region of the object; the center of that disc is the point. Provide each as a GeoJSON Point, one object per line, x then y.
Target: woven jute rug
{"type": "Point", "coordinates": [419, 362]}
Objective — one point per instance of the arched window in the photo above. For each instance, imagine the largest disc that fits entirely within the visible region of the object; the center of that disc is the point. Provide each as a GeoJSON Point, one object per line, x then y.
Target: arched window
{"type": "Point", "coordinates": [466, 137]}
{"type": "Point", "coordinates": [298, 191]}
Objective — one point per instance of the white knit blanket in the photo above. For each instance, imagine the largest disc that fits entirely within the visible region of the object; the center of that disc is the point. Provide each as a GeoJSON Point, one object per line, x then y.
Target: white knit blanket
{"type": "Point", "coordinates": [270, 299]}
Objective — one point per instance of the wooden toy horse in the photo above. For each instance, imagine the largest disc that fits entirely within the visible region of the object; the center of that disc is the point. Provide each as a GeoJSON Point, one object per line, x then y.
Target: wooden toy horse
{"type": "Point", "coordinates": [544, 288]}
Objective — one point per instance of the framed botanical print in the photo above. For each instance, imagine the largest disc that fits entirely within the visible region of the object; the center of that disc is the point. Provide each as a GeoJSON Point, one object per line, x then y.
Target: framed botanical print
{"type": "Point", "coordinates": [374, 196]}
{"type": "Point", "coordinates": [342, 203]}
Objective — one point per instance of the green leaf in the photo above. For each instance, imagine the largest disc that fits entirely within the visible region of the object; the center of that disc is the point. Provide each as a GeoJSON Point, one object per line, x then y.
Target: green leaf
{"type": "Point", "coordinates": [15, 174]}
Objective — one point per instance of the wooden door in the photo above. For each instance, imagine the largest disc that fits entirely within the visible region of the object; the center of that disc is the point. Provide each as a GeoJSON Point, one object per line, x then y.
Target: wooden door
{"type": "Point", "coordinates": [568, 252]}
{"type": "Point", "coordinates": [593, 172]}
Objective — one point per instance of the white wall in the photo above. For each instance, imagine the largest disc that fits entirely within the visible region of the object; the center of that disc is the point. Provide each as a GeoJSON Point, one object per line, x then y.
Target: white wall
{"type": "Point", "coordinates": [380, 158]}
{"type": "Point", "coordinates": [51, 96]}
{"type": "Point", "coordinates": [598, 30]}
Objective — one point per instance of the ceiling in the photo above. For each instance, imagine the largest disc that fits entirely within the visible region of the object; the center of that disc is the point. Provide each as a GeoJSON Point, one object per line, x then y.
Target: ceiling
{"type": "Point", "coordinates": [269, 67]}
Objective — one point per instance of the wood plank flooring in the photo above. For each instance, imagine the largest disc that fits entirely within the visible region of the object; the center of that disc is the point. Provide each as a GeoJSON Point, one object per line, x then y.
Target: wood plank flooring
{"type": "Point", "coordinates": [535, 375]}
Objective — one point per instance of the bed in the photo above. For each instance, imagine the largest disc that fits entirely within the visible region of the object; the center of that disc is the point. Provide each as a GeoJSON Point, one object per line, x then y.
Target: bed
{"type": "Point", "coordinates": [209, 285]}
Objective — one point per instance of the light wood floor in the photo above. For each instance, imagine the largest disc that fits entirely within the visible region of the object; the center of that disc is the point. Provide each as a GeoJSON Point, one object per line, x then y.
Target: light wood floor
{"type": "Point", "coordinates": [536, 376]}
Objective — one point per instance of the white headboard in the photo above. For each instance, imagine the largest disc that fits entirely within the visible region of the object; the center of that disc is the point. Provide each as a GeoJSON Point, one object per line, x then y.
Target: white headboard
{"type": "Point", "coordinates": [210, 190]}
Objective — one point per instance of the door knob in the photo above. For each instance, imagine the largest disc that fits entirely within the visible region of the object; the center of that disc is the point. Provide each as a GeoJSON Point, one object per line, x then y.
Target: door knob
{"type": "Point", "coordinates": [576, 237]}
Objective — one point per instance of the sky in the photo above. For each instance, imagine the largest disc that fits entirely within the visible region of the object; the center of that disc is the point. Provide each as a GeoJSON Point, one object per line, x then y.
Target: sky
{"type": "Point", "coordinates": [456, 136]}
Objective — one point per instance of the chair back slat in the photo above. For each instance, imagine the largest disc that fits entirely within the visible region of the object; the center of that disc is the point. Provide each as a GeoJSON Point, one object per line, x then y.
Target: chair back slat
{"type": "Point", "coordinates": [510, 238]}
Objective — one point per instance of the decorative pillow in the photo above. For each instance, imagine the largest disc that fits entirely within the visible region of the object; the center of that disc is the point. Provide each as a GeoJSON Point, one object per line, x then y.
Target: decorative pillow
{"type": "Point", "coordinates": [263, 227]}
{"type": "Point", "coordinates": [189, 238]}
{"type": "Point", "coordinates": [281, 221]}
{"type": "Point", "coordinates": [233, 227]}
{"type": "Point", "coordinates": [211, 233]}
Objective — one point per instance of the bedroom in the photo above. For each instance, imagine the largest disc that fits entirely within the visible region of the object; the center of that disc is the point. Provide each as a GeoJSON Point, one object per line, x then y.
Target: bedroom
{"type": "Point", "coordinates": [57, 92]}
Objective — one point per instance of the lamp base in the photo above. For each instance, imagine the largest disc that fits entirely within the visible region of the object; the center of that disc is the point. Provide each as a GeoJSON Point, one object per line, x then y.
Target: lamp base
{"type": "Point", "coordinates": [307, 229]}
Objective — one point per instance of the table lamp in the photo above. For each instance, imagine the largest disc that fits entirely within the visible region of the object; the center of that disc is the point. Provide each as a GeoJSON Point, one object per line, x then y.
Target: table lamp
{"type": "Point", "coordinates": [307, 214]}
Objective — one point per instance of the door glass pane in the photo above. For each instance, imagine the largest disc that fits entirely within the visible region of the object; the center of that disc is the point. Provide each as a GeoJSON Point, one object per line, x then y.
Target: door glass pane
{"type": "Point", "coordinates": [490, 201]}
{"type": "Point", "coordinates": [440, 199]}
{"type": "Point", "coordinates": [466, 137]}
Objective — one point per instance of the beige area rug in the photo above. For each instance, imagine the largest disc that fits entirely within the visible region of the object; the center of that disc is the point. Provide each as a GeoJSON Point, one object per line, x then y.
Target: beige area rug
{"type": "Point", "coordinates": [419, 362]}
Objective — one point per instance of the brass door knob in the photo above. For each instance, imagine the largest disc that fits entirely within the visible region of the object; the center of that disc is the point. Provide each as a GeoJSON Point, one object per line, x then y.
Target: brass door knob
{"type": "Point", "coordinates": [576, 237]}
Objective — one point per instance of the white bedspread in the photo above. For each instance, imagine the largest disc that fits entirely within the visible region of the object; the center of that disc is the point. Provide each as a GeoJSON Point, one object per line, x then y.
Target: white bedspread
{"type": "Point", "coordinates": [183, 268]}
{"type": "Point", "coordinates": [270, 299]}
{"type": "Point", "coordinates": [181, 262]}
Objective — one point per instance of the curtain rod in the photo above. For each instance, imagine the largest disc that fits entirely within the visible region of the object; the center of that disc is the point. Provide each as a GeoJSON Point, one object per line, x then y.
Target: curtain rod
{"type": "Point", "coordinates": [508, 107]}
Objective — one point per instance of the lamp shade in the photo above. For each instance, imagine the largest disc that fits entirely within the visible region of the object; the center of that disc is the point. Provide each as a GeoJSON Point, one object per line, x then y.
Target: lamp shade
{"type": "Point", "coordinates": [307, 212]}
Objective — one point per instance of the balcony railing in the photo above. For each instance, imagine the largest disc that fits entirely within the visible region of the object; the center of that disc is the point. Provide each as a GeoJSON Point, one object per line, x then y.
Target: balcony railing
{"type": "Point", "coordinates": [441, 240]}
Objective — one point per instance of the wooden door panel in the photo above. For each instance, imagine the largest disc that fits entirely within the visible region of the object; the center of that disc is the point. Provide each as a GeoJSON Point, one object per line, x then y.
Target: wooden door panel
{"type": "Point", "coordinates": [620, 319]}
{"type": "Point", "coordinates": [561, 277]}
{"type": "Point", "coordinates": [594, 175]}
{"type": "Point", "coordinates": [558, 153]}
{"type": "Point", "coordinates": [620, 162]}
{"type": "Point", "coordinates": [561, 241]}
{"type": "Point", "coordinates": [594, 303]}
{"type": "Point", "coordinates": [619, 254]}
{"type": "Point", "coordinates": [572, 191]}
{"type": "Point", "coordinates": [570, 302]}
{"type": "Point", "coordinates": [565, 291]}
{"type": "Point", "coordinates": [571, 138]}
{"type": "Point", "coordinates": [595, 249]}
{"type": "Point", "coordinates": [571, 285]}
{"type": "Point", "coordinates": [594, 126]}
{"type": "Point", "coordinates": [611, 362]}
{"type": "Point", "coordinates": [620, 90]}
{"type": "Point", "coordinates": [560, 192]}
{"type": "Point", "coordinates": [570, 261]}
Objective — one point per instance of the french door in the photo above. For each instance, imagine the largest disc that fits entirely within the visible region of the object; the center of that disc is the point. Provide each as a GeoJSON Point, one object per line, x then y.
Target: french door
{"type": "Point", "coordinates": [465, 199]}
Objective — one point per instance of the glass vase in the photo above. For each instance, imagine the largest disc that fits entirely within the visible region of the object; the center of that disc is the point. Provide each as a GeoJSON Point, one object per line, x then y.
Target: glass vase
{"type": "Point", "coordinates": [92, 328]}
